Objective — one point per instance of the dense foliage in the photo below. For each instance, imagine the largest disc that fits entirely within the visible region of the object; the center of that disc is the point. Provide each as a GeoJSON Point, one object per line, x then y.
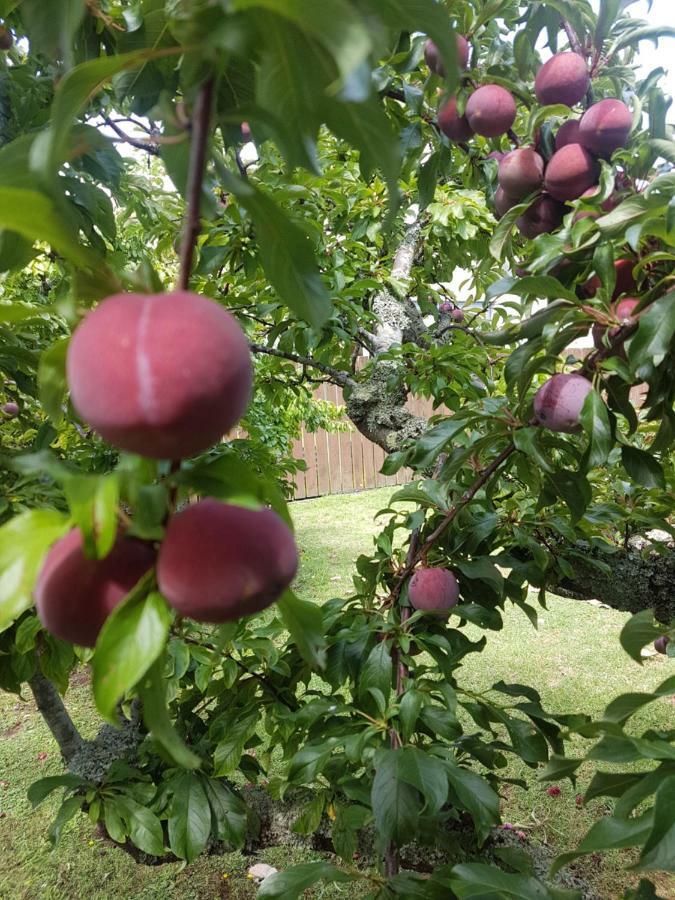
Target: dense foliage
{"type": "Point", "coordinates": [299, 245]}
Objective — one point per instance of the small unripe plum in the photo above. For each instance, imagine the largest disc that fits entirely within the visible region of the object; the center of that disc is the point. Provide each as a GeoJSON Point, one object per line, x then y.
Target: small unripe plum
{"type": "Point", "coordinates": [10, 409]}
{"type": "Point", "coordinates": [558, 402]}
{"type": "Point", "coordinates": [605, 127]}
{"type": "Point", "coordinates": [568, 133]}
{"type": "Point", "coordinates": [491, 110]}
{"type": "Point", "coordinates": [446, 307]}
{"type": "Point", "coordinates": [661, 644]}
{"type": "Point", "coordinates": [457, 314]}
{"type": "Point", "coordinates": [75, 595]}
{"type": "Point", "coordinates": [623, 313]}
{"type": "Point", "coordinates": [163, 375]}
{"type": "Point", "coordinates": [563, 78]}
{"type": "Point", "coordinates": [433, 58]}
{"type": "Point", "coordinates": [521, 172]}
{"type": "Point", "coordinates": [543, 217]}
{"type": "Point", "coordinates": [433, 590]}
{"type": "Point", "coordinates": [503, 203]}
{"type": "Point", "coordinates": [571, 171]}
{"type": "Point", "coordinates": [219, 562]}
{"type": "Point", "coordinates": [6, 39]}
{"type": "Point", "coordinates": [452, 125]}
{"type": "Point", "coordinates": [625, 282]}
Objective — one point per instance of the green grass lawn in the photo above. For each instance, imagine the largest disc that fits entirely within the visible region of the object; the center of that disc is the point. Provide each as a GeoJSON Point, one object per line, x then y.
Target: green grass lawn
{"type": "Point", "coordinates": [574, 660]}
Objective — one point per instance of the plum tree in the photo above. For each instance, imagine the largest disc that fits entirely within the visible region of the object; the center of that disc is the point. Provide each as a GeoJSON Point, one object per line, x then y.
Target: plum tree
{"type": "Point", "coordinates": [605, 127]}
{"type": "Point", "coordinates": [433, 58]}
{"type": "Point", "coordinates": [163, 375]}
{"type": "Point", "coordinates": [521, 172]}
{"type": "Point", "coordinates": [568, 133]}
{"type": "Point", "coordinates": [10, 409]}
{"type": "Point", "coordinates": [544, 216]}
{"type": "Point", "coordinates": [559, 401]}
{"type": "Point", "coordinates": [570, 171]}
{"type": "Point", "coordinates": [433, 589]}
{"type": "Point", "coordinates": [491, 110]}
{"type": "Point", "coordinates": [220, 562]}
{"type": "Point", "coordinates": [453, 125]}
{"type": "Point", "coordinates": [74, 595]}
{"type": "Point", "coordinates": [564, 78]}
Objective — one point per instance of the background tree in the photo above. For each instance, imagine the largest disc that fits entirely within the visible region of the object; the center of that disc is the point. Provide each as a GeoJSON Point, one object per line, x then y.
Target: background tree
{"type": "Point", "coordinates": [340, 238]}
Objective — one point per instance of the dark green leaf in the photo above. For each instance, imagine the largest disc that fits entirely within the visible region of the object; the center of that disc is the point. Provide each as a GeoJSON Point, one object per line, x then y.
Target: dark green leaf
{"type": "Point", "coordinates": [655, 333]}
{"type": "Point", "coordinates": [41, 789]}
{"type": "Point", "coordinates": [595, 421]}
{"type": "Point", "coordinates": [658, 852]}
{"type": "Point", "coordinates": [304, 621]}
{"type": "Point", "coordinates": [290, 884]}
{"type": "Point", "coordinates": [156, 716]}
{"type": "Point", "coordinates": [639, 631]}
{"type": "Point", "coordinates": [190, 818]}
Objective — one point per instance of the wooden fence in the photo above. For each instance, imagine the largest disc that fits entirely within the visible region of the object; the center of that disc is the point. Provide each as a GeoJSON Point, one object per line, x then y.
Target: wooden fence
{"type": "Point", "coordinates": [346, 461]}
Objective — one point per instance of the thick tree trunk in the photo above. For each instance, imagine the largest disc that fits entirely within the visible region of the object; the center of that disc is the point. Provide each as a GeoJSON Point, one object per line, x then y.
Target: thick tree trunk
{"type": "Point", "coordinates": [638, 580]}
{"type": "Point", "coordinates": [55, 714]}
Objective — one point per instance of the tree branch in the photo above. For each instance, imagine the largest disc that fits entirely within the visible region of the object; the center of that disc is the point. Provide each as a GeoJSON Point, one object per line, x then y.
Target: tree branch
{"type": "Point", "coordinates": [572, 37]}
{"type": "Point", "coordinates": [335, 375]}
{"type": "Point", "coordinates": [140, 144]}
{"type": "Point", "coordinates": [200, 138]}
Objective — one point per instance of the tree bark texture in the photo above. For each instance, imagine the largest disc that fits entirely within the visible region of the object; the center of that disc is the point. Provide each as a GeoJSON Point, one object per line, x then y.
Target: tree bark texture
{"type": "Point", "coordinates": [55, 714]}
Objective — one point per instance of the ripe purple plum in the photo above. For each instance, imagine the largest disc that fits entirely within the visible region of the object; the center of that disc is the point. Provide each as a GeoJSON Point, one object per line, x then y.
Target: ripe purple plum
{"type": "Point", "coordinates": [544, 216]}
{"type": "Point", "coordinates": [559, 401]}
{"type": "Point", "coordinates": [446, 307]}
{"type": "Point", "coordinates": [453, 125]}
{"type": "Point", "coordinates": [605, 127]}
{"type": "Point", "coordinates": [503, 203]}
{"type": "Point", "coordinates": [10, 409]}
{"type": "Point", "coordinates": [563, 78]}
{"type": "Point", "coordinates": [433, 58]}
{"type": "Point", "coordinates": [457, 314]}
{"type": "Point", "coordinates": [220, 562]}
{"type": "Point", "coordinates": [434, 590]}
{"type": "Point", "coordinates": [661, 644]}
{"type": "Point", "coordinates": [74, 595]}
{"type": "Point", "coordinates": [162, 375]}
{"type": "Point", "coordinates": [570, 172]}
{"type": "Point", "coordinates": [568, 133]}
{"type": "Point", "coordinates": [521, 172]}
{"type": "Point", "coordinates": [491, 110]}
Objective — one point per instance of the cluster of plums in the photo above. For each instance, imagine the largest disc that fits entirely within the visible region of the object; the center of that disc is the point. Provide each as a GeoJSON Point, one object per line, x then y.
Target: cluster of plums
{"type": "Point", "coordinates": [165, 376]}
{"type": "Point", "coordinates": [573, 169]}
{"type": "Point", "coordinates": [448, 308]}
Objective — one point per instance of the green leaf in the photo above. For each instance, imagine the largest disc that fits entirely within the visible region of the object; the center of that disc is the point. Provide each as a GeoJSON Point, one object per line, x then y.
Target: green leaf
{"type": "Point", "coordinates": [145, 829]}
{"type": "Point", "coordinates": [366, 127]}
{"type": "Point", "coordinates": [52, 383]}
{"type": "Point", "coordinates": [623, 707]}
{"type": "Point", "coordinates": [560, 767]}
{"type": "Point", "coordinates": [377, 671]}
{"type": "Point", "coordinates": [528, 441]}
{"type": "Point", "coordinates": [41, 789]}
{"type": "Point", "coordinates": [574, 489]}
{"type": "Point", "coordinates": [93, 502]}
{"type": "Point", "coordinates": [334, 23]}
{"type": "Point", "coordinates": [152, 693]}
{"type": "Point", "coordinates": [658, 853]}
{"type": "Point", "coordinates": [190, 818]}
{"type": "Point", "coordinates": [407, 782]}
{"type": "Point", "coordinates": [290, 884]}
{"type": "Point", "coordinates": [639, 631]}
{"type": "Point", "coordinates": [304, 621]}
{"type": "Point", "coordinates": [51, 25]}
{"type": "Point", "coordinates": [112, 819]}
{"type": "Point", "coordinates": [132, 638]}
{"type": "Point", "coordinates": [68, 810]}
{"type": "Point", "coordinates": [24, 541]}
{"type": "Point", "coordinates": [35, 217]}
{"type": "Point", "coordinates": [652, 342]}
{"type": "Point", "coordinates": [310, 818]}
{"type": "Point", "coordinates": [642, 467]}
{"type": "Point", "coordinates": [503, 230]}
{"type": "Point", "coordinates": [409, 710]}
{"type": "Point", "coordinates": [484, 882]}
{"type": "Point", "coordinates": [474, 794]}
{"type": "Point", "coordinates": [229, 811]}
{"type": "Point", "coordinates": [594, 419]}
{"type": "Point", "coordinates": [285, 251]}
{"type": "Point", "coordinates": [609, 10]}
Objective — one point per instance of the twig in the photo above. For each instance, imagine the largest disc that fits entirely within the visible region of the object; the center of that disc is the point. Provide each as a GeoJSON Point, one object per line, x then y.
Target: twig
{"type": "Point", "coordinates": [139, 143]}
{"type": "Point", "coordinates": [336, 376]}
{"type": "Point", "coordinates": [200, 138]}
{"type": "Point", "coordinates": [572, 37]}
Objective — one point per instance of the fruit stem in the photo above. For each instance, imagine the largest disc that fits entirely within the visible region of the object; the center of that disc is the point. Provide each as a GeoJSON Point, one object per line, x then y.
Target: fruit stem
{"type": "Point", "coordinates": [572, 37]}
{"type": "Point", "coordinates": [201, 122]}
